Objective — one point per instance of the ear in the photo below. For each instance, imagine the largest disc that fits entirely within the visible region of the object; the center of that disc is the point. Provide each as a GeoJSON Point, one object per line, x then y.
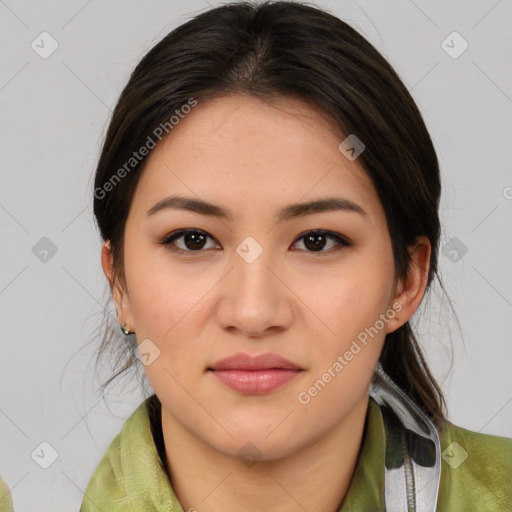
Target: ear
{"type": "Point", "coordinates": [119, 294]}
{"type": "Point", "coordinates": [411, 290]}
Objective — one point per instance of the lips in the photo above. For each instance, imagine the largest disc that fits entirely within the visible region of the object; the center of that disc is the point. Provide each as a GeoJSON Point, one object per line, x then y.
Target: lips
{"type": "Point", "coordinates": [244, 361]}
{"type": "Point", "coordinates": [254, 375]}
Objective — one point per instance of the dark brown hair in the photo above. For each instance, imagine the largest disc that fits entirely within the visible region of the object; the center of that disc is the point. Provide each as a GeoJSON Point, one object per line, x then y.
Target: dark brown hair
{"type": "Point", "coordinates": [276, 49]}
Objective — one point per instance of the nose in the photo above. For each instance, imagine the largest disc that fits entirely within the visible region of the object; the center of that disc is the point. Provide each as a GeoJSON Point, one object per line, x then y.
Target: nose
{"type": "Point", "coordinates": [255, 300]}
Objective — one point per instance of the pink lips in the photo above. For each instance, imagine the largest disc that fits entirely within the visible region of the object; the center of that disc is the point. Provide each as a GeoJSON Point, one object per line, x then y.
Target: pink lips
{"type": "Point", "coordinates": [254, 375]}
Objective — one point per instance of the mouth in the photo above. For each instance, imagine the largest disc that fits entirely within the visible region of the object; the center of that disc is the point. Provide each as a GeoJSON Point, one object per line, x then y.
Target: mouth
{"type": "Point", "coordinates": [254, 375]}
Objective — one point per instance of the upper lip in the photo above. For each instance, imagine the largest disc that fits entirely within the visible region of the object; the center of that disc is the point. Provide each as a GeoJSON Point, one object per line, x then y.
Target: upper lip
{"type": "Point", "coordinates": [243, 361]}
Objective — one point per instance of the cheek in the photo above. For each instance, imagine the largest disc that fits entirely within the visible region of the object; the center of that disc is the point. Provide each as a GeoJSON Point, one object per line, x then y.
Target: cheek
{"type": "Point", "coordinates": [168, 306]}
{"type": "Point", "coordinates": [157, 296]}
{"type": "Point", "coordinates": [353, 298]}
{"type": "Point", "coordinates": [343, 361]}
{"type": "Point", "coordinates": [351, 304]}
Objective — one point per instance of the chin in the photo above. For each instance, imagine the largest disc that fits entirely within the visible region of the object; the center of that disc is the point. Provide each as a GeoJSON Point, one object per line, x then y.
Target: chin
{"type": "Point", "coordinates": [251, 450]}
{"type": "Point", "coordinates": [259, 441]}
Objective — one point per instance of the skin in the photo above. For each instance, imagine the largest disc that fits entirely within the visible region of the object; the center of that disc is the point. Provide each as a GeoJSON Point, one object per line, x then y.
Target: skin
{"type": "Point", "coordinates": [253, 158]}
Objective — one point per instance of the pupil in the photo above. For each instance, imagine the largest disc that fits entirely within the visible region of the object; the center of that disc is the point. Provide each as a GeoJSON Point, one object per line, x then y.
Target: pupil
{"type": "Point", "coordinates": [311, 244]}
{"type": "Point", "coordinates": [194, 238]}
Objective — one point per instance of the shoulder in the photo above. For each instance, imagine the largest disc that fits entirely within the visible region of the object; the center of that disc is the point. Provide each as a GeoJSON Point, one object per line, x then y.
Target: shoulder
{"type": "Point", "coordinates": [107, 484]}
{"type": "Point", "coordinates": [6, 504]}
{"type": "Point", "coordinates": [476, 470]}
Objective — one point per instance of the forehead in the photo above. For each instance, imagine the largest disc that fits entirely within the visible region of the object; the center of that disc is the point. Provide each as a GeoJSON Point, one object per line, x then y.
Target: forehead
{"type": "Point", "coordinates": [248, 153]}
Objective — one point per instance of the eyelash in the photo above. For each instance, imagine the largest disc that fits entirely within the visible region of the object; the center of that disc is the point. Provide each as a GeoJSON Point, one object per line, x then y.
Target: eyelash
{"type": "Point", "coordinates": [175, 235]}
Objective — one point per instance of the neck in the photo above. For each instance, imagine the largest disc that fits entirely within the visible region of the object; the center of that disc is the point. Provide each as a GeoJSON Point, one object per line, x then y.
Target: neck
{"type": "Point", "coordinates": [204, 478]}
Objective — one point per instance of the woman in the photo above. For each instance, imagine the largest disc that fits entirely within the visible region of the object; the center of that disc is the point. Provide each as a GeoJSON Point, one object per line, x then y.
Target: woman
{"type": "Point", "coordinates": [267, 195]}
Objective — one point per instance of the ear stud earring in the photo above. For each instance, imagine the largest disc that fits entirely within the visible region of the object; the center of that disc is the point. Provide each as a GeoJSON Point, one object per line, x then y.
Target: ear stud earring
{"type": "Point", "coordinates": [125, 330]}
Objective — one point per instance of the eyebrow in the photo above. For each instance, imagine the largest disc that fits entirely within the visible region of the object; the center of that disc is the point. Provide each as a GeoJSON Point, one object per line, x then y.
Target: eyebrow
{"type": "Point", "coordinates": [288, 212]}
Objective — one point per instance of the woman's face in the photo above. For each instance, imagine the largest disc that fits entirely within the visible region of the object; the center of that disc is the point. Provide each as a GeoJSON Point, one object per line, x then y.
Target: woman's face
{"type": "Point", "coordinates": [257, 281]}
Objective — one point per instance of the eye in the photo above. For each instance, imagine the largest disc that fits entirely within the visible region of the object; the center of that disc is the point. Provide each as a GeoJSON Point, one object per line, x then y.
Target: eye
{"type": "Point", "coordinates": [316, 240]}
{"type": "Point", "coordinates": [193, 240]}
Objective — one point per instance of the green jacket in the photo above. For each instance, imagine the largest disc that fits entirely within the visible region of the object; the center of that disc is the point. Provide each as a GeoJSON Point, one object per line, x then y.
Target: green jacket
{"type": "Point", "coordinates": [131, 478]}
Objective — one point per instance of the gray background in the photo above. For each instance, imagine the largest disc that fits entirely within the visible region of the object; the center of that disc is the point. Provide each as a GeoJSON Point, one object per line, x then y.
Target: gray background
{"type": "Point", "coordinates": [54, 114]}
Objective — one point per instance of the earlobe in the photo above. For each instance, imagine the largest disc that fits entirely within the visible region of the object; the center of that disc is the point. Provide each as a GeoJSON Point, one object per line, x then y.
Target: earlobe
{"type": "Point", "coordinates": [412, 290]}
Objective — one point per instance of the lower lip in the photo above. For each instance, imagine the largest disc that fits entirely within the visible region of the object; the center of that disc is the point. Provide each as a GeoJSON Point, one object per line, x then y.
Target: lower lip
{"type": "Point", "coordinates": [255, 382]}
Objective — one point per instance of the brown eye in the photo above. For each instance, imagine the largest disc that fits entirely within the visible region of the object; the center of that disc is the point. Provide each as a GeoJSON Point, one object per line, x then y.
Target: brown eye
{"type": "Point", "coordinates": [316, 241]}
{"type": "Point", "coordinates": [191, 240]}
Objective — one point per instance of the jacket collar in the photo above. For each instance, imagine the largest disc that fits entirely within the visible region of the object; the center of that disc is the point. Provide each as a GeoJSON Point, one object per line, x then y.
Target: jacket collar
{"type": "Point", "coordinates": [133, 475]}
{"type": "Point", "coordinates": [145, 484]}
{"type": "Point", "coordinates": [366, 490]}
